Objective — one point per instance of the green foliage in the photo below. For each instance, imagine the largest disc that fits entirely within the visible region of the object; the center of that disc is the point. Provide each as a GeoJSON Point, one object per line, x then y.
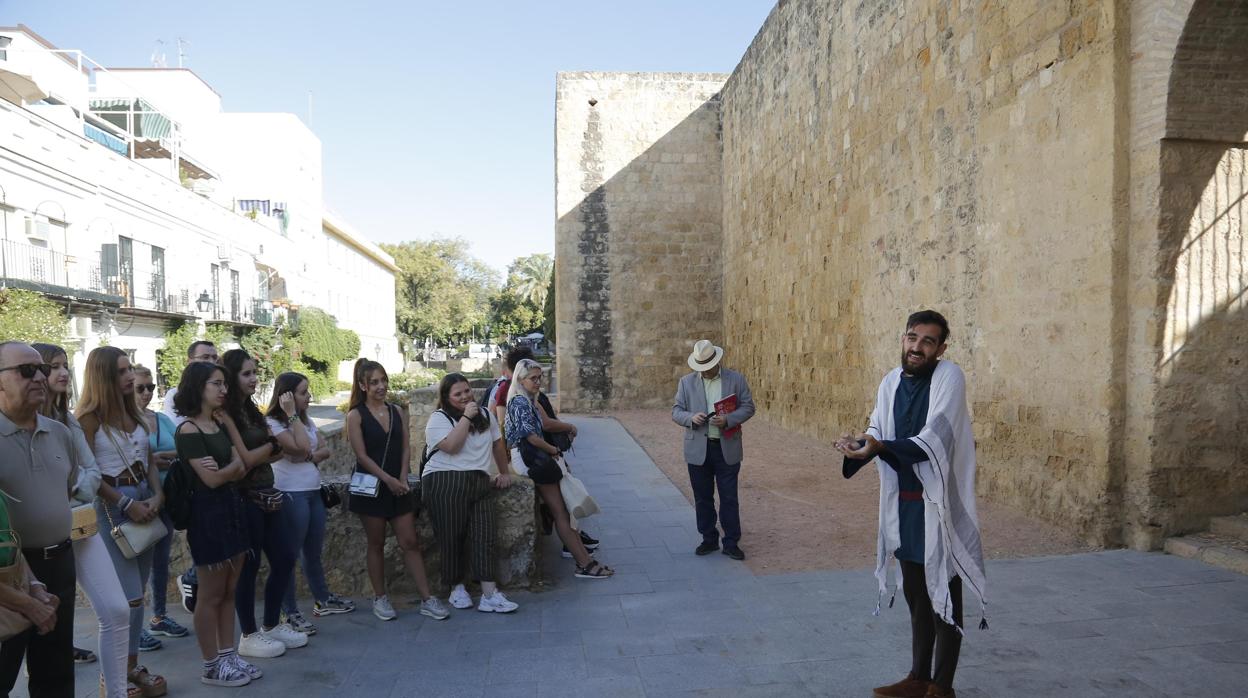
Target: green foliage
{"type": "Point", "coordinates": [317, 347]}
{"type": "Point", "coordinates": [530, 277]}
{"type": "Point", "coordinates": [28, 317]}
{"type": "Point", "coordinates": [548, 314]}
{"type": "Point", "coordinates": [171, 358]}
{"type": "Point", "coordinates": [512, 315]}
{"type": "Point", "coordinates": [273, 352]}
{"type": "Point", "coordinates": [418, 378]}
{"type": "Point", "coordinates": [442, 291]}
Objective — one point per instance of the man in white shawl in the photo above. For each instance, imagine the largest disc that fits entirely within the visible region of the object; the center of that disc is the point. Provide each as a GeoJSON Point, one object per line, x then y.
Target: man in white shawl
{"type": "Point", "coordinates": [920, 430]}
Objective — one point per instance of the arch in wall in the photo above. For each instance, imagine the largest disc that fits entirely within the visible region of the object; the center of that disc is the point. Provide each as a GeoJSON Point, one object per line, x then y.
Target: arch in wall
{"type": "Point", "coordinates": [1198, 464]}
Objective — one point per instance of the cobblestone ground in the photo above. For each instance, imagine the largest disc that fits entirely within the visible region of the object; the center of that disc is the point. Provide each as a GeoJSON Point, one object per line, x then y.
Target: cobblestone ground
{"type": "Point", "coordinates": [1112, 623]}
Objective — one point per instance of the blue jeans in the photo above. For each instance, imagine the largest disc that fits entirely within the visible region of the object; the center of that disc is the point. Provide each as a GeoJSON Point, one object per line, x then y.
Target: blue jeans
{"type": "Point", "coordinates": [131, 572]}
{"type": "Point", "coordinates": [705, 479]}
{"type": "Point", "coordinates": [266, 532]}
{"type": "Point", "coordinates": [160, 568]}
{"type": "Point", "coordinates": [303, 518]}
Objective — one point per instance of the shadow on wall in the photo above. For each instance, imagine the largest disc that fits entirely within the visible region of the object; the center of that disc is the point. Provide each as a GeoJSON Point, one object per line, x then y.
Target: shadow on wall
{"type": "Point", "coordinates": [1200, 451]}
{"type": "Point", "coordinates": [639, 262]}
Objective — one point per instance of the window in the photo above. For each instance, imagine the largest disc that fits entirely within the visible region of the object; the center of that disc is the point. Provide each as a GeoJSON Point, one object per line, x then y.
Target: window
{"type": "Point", "coordinates": [158, 279]}
{"type": "Point", "coordinates": [235, 301]}
{"type": "Point", "coordinates": [216, 291]}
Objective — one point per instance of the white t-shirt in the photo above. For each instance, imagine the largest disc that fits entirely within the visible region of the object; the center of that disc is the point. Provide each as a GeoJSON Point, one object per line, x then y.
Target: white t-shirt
{"type": "Point", "coordinates": [167, 408]}
{"type": "Point", "coordinates": [297, 476]}
{"type": "Point", "coordinates": [476, 454]}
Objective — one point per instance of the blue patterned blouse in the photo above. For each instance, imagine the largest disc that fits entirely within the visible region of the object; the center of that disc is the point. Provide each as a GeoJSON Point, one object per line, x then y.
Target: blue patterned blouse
{"type": "Point", "coordinates": [522, 420]}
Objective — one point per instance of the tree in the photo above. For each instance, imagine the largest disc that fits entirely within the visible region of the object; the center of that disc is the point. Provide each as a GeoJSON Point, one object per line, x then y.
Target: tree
{"type": "Point", "coordinates": [322, 346]}
{"type": "Point", "coordinates": [26, 316]}
{"type": "Point", "coordinates": [171, 358]}
{"type": "Point", "coordinates": [442, 291]}
{"type": "Point", "coordinates": [548, 313]}
{"type": "Point", "coordinates": [532, 276]}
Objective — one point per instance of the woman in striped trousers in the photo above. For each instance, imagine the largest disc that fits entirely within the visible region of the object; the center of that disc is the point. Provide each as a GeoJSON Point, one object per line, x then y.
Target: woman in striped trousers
{"type": "Point", "coordinates": [456, 488]}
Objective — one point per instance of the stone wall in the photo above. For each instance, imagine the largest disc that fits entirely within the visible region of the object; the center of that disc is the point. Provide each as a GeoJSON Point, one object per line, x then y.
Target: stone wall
{"type": "Point", "coordinates": [638, 235]}
{"type": "Point", "coordinates": [1063, 180]}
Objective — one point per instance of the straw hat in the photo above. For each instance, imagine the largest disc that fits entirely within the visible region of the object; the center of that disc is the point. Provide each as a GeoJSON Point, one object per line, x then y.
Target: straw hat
{"type": "Point", "coordinates": [705, 355]}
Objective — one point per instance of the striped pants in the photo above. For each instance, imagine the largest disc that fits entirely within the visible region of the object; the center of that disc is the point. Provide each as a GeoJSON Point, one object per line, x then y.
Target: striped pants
{"type": "Point", "coordinates": [461, 510]}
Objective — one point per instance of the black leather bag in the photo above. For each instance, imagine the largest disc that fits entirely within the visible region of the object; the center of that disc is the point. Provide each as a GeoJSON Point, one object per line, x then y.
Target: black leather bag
{"type": "Point", "coordinates": [543, 469]}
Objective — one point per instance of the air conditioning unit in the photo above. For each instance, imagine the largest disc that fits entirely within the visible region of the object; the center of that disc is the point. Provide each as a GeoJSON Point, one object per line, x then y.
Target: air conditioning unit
{"type": "Point", "coordinates": [80, 327]}
{"type": "Point", "coordinates": [38, 228]}
{"type": "Point", "coordinates": [224, 252]}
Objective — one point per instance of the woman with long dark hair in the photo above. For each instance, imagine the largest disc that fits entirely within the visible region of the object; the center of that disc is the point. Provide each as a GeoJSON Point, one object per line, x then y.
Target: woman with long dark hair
{"type": "Point", "coordinates": [377, 431]}
{"type": "Point", "coordinates": [525, 424]}
{"type": "Point", "coordinates": [262, 515]}
{"type": "Point", "coordinates": [216, 534]}
{"type": "Point", "coordinates": [93, 566]}
{"type": "Point", "coordinates": [130, 489]}
{"type": "Point", "coordinates": [297, 476]}
{"type": "Point", "coordinates": [458, 491]}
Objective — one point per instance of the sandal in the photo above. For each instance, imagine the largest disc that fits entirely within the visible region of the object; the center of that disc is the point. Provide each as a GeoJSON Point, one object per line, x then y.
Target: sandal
{"type": "Point", "coordinates": [82, 656]}
{"type": "Point", "coordinates": [132, 691]}
{"type": "Point", "coordinates": [594, 570]}
{"type": "Point", "coordinates": [151, 685]}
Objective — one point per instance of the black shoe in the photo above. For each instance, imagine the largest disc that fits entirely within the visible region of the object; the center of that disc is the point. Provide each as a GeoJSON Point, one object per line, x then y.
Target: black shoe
{"type": "Point", "coordinates": [707, 548]}
{"type": "Point", "coordinates": [734, 552]}
{"type": "Point", "coordinates": [588, 540]}
{"type": "Point", "coordinates": [189, 592]}
{"type": "Point", "coordinates": [82, 656]}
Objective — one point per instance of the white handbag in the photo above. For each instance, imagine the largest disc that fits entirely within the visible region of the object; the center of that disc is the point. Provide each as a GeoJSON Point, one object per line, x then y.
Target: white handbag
{"type": "Point", "coordinates": [578, 500]}
{"type": "Point", "coordinates": [132, 538]}
{"type": "Point", "coordinates": [364, 485]}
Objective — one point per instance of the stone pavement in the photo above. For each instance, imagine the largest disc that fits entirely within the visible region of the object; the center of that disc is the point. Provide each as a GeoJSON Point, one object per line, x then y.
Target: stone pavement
{"type": "Point", "coordinates": [1113, 623]}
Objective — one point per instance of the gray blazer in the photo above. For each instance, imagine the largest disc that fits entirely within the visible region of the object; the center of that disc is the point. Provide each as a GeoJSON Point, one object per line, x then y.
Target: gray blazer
{"type": "Point", "coordinates": [691, 399]}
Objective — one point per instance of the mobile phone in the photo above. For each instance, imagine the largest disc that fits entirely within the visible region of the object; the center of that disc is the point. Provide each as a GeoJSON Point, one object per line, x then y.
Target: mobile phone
{"type": "Point", "coordinates": [711, 415]}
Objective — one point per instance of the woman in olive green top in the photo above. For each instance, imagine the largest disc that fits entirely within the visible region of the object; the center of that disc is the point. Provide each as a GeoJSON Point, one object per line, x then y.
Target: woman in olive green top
{"type": "Point", "coordinates": [216, 533]}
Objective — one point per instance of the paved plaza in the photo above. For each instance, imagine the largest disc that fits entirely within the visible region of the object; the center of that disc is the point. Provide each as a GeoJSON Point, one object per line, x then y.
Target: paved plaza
{"type": "Point", "coordinates": [1117, 623]}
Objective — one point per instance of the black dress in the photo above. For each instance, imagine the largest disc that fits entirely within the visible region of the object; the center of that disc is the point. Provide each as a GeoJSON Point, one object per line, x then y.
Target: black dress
{"type": "Point", "coordinates": [216, 532]}
{"type": "Point", "coordinates": [385, 505]}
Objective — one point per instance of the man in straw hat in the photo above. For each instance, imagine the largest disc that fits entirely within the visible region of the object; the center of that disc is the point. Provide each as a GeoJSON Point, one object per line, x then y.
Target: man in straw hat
{"type": "Point", "coordinates": [713, 443]}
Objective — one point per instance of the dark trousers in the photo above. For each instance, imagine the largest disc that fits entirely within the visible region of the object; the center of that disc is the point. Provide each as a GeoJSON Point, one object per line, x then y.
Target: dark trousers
{"type": "Point", "coordinates": [49, 658]}
{"type": "Point", "coordinates": [705, 479]}
{"type": "Point", "coordinates": [461, 511]}
{"type": "Point", "coordinates": [267, 532]}
{"type": "Point", "coordinates": [928, 631]}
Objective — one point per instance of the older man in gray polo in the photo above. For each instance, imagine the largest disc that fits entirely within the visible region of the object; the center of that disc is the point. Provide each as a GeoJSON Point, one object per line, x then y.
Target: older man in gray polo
{"type": "Point", "coordinates": [713, 443]}
{"type": "Point", "coordinates": [35, 471]}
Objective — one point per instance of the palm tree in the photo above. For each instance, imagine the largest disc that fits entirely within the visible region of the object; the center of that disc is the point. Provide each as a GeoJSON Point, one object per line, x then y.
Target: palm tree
{"type": "Point", "coordinates": [532, 277]}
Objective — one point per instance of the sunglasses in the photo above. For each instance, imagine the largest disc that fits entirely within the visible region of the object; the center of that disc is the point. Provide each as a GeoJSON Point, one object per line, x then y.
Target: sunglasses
{"type": "Point", "coordinates": [145, 387]}
{"type": "Point", "coordinates": [27, 371]}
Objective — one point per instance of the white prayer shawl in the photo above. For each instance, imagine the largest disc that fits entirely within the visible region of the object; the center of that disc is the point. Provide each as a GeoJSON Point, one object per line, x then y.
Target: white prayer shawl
{"type": "Point", "coordinates": [951, 526]}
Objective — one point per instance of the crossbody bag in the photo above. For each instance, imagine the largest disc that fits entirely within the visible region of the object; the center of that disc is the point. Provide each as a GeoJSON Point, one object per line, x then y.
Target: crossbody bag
{"type": "Point", "coordinates": [366, 484]}
{"type": "Point", "coordinates": [132, 538]}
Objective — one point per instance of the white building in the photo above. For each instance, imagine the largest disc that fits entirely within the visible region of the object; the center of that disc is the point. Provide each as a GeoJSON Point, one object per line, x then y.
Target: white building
{"type": "Point", "coordinates": [132, 198]}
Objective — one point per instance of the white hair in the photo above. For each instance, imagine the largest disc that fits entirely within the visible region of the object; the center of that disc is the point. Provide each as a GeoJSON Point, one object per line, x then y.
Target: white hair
{"type": "Point", "coordinates": [522, 370]}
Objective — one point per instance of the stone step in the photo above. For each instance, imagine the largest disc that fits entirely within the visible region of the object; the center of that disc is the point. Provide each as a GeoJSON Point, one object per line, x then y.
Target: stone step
{"type": "Point", "coordinates": [1231, 526]}
{"type": "Point", "coordinates": [1212, 549]}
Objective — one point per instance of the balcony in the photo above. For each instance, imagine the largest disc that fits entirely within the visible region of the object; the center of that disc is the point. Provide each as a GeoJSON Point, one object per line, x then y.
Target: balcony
{"type": "Point", "coordinates": [55, 273]}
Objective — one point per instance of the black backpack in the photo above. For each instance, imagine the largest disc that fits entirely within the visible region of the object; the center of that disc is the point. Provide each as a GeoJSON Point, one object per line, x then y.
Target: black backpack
{"type": "Point", "coordinates": [484, 402]}
{"type": "Point", "coordinates": [561, 440]}
{"type": "Point", "coordinates": [179, 486]}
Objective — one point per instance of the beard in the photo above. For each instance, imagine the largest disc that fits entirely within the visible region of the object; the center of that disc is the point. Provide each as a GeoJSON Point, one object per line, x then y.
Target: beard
{"type": "Point", "coordinates": [915, 364]}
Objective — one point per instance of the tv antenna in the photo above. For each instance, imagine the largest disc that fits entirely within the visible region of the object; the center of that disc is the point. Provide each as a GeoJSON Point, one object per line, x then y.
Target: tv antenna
{"type": "Point", "coordinates": [182, 44]}
{"type": "Point", "coordinates": [158, 54]}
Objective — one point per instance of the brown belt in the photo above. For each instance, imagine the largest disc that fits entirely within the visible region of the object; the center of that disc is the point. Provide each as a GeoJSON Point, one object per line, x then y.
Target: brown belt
{"type": "Point", "coordinates": [122, 479]}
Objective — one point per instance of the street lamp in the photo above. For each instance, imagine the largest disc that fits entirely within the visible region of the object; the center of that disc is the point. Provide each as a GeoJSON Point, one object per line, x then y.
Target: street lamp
{"type": "Point", "coordinates": [204, 302]}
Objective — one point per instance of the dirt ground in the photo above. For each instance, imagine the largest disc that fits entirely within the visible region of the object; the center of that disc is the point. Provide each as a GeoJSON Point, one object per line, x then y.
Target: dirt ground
{"type": "Point", "coordinates": [798, 513]}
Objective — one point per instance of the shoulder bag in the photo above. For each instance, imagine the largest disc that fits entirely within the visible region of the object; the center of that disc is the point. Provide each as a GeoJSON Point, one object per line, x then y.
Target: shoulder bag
{"type": "Point", "coordinates": [366, 484]}
{"type": "Point", "coordinates": [13, 623]}
{"type": "Point", "coordinates": [430, 451]}
{"type": "Point", "coordinates": [132, 538]}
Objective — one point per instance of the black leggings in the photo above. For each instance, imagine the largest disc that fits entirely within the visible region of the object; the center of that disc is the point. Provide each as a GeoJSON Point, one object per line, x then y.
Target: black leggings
{"type": "Point", "coordinates": [928, 631]}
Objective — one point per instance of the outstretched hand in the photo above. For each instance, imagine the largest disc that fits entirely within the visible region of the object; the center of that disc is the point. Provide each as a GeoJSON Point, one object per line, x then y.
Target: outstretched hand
{"type": "Point", "coordinates": [858, 446]}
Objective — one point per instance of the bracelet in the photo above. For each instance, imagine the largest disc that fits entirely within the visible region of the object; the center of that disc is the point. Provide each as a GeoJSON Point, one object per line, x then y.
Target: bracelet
{"type": "Point", "coordinates": [124, 503]}
{"type": "Point", "coordinates": [292, 419]}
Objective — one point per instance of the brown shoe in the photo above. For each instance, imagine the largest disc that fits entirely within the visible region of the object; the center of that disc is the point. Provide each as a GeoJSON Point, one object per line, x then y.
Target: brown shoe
{"type": "Point", "coordinates": [908, 687]}
{"type": "Point", "coordinates": [934, 691]}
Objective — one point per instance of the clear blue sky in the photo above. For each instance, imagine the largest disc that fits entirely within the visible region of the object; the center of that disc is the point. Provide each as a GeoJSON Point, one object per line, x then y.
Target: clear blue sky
{"type": "Point", "coordinates": [437, 119]}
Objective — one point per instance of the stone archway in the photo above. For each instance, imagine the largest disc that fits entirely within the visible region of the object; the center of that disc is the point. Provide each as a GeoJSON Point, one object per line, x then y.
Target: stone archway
{"type": "Point", "coordinates": [1194, 462]}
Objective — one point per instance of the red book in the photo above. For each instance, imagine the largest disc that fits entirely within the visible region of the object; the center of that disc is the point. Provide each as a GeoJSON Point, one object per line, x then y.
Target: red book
{"type": "Point", "coordinates": [723, 407]}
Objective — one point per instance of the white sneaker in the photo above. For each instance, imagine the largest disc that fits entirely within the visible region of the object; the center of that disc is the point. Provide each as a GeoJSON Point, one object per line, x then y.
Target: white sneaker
{"type": "Point", "coordinates": [497, 604]}
{"type": "Point", "coordinates": [287, 635]}
{"type": "Point", "coordinates": [225, 674]}
{"type": "Point", "coordinates": [261, 646]}
{"type": "Point", "coordinates": [252, 671]}
{"type": "Point", "coordinates": [382, 608]}
{"type": "Point", "coordinates": [460, 597]}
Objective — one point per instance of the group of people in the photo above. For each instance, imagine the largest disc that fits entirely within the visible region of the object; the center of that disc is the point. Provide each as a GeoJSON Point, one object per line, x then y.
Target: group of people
{"type": "Point", "coordinates": [83, 498]}
{"type": "Point", "coordinates": [919, 432]}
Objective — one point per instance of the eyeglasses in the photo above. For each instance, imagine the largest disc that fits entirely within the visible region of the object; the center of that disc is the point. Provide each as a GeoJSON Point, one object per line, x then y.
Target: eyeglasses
{"type": "Point", "coordinates": [145, 387]}
{"type": "Point", "coordinates": [535, 379]}
{"type": "Point", "coordinates": [220, 384]}
{"type": "Point", "coordinates": [27, 371]}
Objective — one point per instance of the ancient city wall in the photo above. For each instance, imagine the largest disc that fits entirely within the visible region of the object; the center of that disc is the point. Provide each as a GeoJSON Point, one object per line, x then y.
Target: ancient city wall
{"type": "Point", "coordinates": [957, 156]}
{"type": "Point", "coordinates": [1066, 181]}
{"type": "Point", "coordinates": [638, 234]}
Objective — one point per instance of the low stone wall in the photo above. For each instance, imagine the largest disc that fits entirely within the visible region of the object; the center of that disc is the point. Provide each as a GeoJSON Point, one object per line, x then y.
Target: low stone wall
{"type": "Point", "coordinates": [517, 564]}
